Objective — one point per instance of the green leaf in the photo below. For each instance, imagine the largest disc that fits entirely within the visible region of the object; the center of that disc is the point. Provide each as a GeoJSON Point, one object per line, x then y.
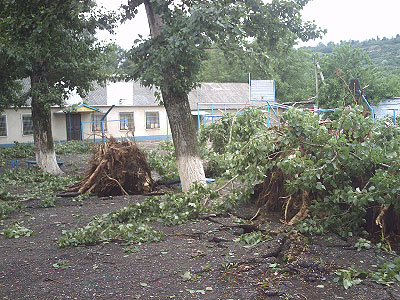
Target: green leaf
{"type": "Point", "coordinates": [186, 276]}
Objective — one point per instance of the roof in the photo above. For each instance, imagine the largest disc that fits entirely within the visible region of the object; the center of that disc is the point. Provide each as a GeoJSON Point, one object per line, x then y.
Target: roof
{"type": "Point", "coordinates": [210, 93]}
{"type": "Point", "coordinates": [220, 94]}
{"type": "Point", "coordinates": [143, 96]}
{"type": "Point", "coordinates": [98, 96]}
{"type": "Point", "coordinates": [229, 94]}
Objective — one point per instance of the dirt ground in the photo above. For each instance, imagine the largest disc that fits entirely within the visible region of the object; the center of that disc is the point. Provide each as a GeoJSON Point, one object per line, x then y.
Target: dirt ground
{"type": "Point", "coordinates": [197, 260]}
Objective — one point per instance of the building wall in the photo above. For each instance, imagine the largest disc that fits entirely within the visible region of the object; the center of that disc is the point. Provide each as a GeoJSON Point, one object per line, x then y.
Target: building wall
{"type": "Point", "coordinates": [139, 115]}
{"type": "Point", "coordinates": [385, 108]}
{"type": "Point", "coordinates": [14, 126]}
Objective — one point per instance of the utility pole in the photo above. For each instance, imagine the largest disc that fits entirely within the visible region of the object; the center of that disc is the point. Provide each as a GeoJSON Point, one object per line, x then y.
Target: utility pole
{"type": "Point", "coordinates": [316, 79]}
{"type": "Point", "coordinates": [316, 68]}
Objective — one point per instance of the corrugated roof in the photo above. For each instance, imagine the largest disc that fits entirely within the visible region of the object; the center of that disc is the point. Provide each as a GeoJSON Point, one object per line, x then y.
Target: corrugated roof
{"type": "Point", "coordinates": [98, 96]}
{"type": "Point", "coordinates": [143, 96]}
{"type": "Point", "coordinates": [207, 92]}
{"type": "Point", "coordinates": [220, 93]}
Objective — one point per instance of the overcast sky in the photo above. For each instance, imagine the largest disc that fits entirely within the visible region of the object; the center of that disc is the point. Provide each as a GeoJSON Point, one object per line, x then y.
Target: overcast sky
{"type": "Point", "coordinates": [344, 20]}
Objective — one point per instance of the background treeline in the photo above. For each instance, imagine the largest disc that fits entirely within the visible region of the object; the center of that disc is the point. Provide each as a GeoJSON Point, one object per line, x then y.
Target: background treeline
{"type": "Point", "coordinates": [375, 62]}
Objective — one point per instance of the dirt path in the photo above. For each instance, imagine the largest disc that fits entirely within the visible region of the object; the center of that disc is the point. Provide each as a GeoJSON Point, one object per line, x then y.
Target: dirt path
{"type": "Point", "coordinates": [198, 260]}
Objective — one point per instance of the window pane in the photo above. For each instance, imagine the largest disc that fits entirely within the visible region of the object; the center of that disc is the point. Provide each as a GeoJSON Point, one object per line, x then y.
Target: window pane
{"type": "Point", "coordinates": [126, 121]}
{"type": "Point", "coordinates": [96, 125]}
{"type": "Point", "coordinates": [3, 126]}
{"type": "Point", "coordinates": [152, 120]}
{"type": "Point", "coordinates": [27, 125]}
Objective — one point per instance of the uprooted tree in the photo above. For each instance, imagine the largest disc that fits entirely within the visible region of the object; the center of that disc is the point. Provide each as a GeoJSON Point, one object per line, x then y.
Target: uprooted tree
{"type": "Point", "coordinates": [339, 175]}
{"type": "Point", "coordinates": [53, 44]}
{"type": "Point", "coordinates": [182, 31]}
{"type": "Point", "coordinates": [117, 168]}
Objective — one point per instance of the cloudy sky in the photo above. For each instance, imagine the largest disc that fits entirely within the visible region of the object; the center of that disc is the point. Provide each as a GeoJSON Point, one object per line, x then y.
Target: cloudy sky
{"type": "Point", "coordinates": [344, 20]}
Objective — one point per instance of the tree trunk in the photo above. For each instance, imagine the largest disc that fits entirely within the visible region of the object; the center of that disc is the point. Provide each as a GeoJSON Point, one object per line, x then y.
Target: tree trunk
{"type": "Point", "coordinates": [42, 133]}
{"type": "Point", "coordinates": [190, 165]}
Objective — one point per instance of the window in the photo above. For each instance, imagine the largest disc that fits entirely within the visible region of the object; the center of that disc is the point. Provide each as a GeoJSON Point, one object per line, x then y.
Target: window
{"type": "Point", "coordinates": [152, 120]}
{"type": "Point", "coordinates": [3, 126]}
{"type": "Point", "coordinates": [96, 125]}
{"type": "Point", "coordinates": [27, 125]}
{"type": "Point", "coordinates": [126, 121]}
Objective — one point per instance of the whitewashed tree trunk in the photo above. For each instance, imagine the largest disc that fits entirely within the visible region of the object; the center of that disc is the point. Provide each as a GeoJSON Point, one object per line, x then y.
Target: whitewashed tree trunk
{"type": "Point", "coordinates": [42, 134]}
{"type": "Point", "coordinates": [190, 165]}
{"type": "Point", "coordinates": [180, 118]}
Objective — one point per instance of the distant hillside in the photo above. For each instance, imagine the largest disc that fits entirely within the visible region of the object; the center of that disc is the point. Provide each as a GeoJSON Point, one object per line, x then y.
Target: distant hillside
{"type": "Point", "coordinates": [384, 52]}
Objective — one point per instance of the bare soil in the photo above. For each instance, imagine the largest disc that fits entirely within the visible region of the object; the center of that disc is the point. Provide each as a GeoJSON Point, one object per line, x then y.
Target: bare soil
{"type": "Point", "coordinates": [285, 267]}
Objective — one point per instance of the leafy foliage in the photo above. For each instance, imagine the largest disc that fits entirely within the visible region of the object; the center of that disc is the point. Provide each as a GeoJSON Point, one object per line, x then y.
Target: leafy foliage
{"type": "Point", "coordinates": [7, 208]}
{"type": "Point", "coordinates": [7, 202]}
{"type": "Point", "coordinates": [56, 39]}
{"type": "Point", "coordinates": [36, 184]}
{"type": "Point", "coordinates": [131, 223]}
{"type": "Point", "coordinates": [19, 150]}
{"type": "Point", "coordinates": [228, 136]}
{"type": "Point", "coordinates": [346, 63]}
{"type": "Point", "coordinates": [362, 244]}
{"type": "Point", "coordinates": [312, 164]}
{"type": "Point", "coordinates": [15, 231]}
{"type": "Point", "coordinates": [163, 160]}
{"type": "Point", "coordinates": [382, 51]}
{"type": "Point", "coordinates": [292, 70]}
{"type": "Point", "coordinates": [253, 238]}
{"type": "Point", "coordinates": [189, 28]}
{"type": "Point", "coordinates": [62, 264]}
{"type": "Point", "coordinates": [387, 274]}
{"type": "Point", "coordinates": [349, 277]}
{"type": "Point", "coordinates": [52, 45]}
{"type": "Point", "coordinates": [74, 147]}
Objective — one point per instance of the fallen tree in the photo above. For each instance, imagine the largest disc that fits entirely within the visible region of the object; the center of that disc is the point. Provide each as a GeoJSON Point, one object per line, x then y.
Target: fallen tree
{"type": "Point", "coordinates": [340, 175]}
{"type": "Point", "coordinates": [117, 168]}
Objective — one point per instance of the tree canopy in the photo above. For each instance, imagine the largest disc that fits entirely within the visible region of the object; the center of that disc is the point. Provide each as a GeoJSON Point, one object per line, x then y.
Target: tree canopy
{"type": "Point", "coordinates": [345, 63]}
{"type": "Point", "coordinates": [182, 32]}
{"type": "Point", "coordinates": [55, 38]}
{"type": "Point", "coordinates": [53, 43]}
{"type": "Point", "coordinates": [193, 27]}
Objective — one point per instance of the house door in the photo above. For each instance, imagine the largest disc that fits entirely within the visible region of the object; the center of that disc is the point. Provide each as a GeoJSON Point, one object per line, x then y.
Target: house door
{"type": "Point", "coordinates": [74, 126]}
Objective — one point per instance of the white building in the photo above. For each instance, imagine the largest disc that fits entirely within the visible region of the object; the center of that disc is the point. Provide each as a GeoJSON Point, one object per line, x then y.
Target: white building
{"type": "Point", "coordinates": [130, 109]}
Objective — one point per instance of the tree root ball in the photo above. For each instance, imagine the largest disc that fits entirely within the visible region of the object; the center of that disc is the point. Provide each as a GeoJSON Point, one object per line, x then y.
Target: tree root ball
{"type": "Point", "coordinates": [117, 168]}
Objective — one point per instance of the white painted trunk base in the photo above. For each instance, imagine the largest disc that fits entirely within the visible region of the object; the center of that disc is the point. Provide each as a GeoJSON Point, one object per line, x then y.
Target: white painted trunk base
{"type": "Point", "coordinates": [190, 171]}
{"type": "Point", "coordinates": [47, 162]}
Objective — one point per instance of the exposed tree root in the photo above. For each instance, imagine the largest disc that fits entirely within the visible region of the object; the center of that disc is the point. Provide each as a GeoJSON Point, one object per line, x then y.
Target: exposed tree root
{"type": "Point", "coordinates": [118, 168]}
